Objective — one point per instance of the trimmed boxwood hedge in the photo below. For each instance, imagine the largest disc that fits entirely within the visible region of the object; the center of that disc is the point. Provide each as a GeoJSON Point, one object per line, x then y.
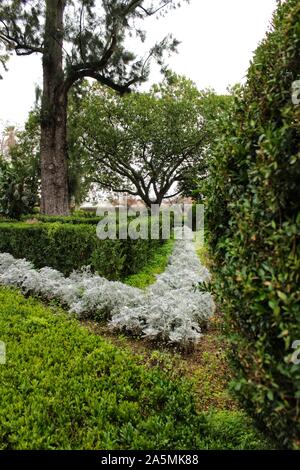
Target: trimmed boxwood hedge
{"type": "Point", "coordinates": [68, 247]}
{"type": "Point", "coordinates": [7, 221]}
{"type": "Point", "coordinates": [64, 388]}
{"type": "Point", "coordinates": [253, 216]}
{"type": "Point", "coordinates": [70, 219]}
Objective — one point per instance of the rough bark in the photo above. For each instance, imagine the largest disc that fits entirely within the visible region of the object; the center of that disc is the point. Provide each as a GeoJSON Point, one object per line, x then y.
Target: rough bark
{"type": "Point", "coordinates": [54, 171]}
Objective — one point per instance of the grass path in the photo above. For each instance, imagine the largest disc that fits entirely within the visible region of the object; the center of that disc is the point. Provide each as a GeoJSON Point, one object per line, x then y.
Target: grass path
{"type": "Point", "coordinates": [207, 366]}
{"type": "Point", "coordinates": [156, 265]}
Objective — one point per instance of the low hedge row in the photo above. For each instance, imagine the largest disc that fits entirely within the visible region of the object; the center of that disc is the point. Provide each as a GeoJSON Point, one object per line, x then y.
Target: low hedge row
{"type": "Point", "coordinates": [7, 221]}
{"type": "Point", "coordinates": [71, 219]}
{"type": "Point", "coordinates": [64, 388]}
{"type": "Point", "coordinates": [68, 247]}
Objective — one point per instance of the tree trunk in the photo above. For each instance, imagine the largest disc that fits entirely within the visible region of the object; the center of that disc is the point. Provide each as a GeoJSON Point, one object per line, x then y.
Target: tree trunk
{"type": "Point", "coordinates": [54, 170]}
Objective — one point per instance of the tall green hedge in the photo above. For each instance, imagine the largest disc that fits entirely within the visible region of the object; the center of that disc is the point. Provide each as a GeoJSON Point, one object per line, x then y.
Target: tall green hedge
{"type": "Point", "coordinates": [67, 247]}
{"type": "Point", "coordinates": [253, 216]}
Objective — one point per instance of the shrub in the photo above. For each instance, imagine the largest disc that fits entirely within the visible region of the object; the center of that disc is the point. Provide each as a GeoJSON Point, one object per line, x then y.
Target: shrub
{"type": "Point", "coordinates": [20, 173]}
{"type": "Point", "coordinates": [4, 220]}
{"type": "Point", "coordinates": [253, 215]}
{"type": "Point", "coordinates": [76, 218]}
{"type": "Point", "coordinates": [193, 221]}
{"type": "Point", "coordinates": [68, 247]}
{"type": "Point", "coordinates": [65, 388]}
{"type": "Point", "coordinates": [85, 213]}
{"type": "Point", "coordinates": [18, 186]}
{"type": "Point", "coordinates": [172, 311]}
{"type": "Point", "coordinates": [71, 219]}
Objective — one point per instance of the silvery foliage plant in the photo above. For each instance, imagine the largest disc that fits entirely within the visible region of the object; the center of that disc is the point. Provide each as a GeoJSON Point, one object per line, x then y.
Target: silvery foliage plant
{"type": "Point", "coordinates": [172, 310]}
{"type": "Point", "coordinates": [83, 292]}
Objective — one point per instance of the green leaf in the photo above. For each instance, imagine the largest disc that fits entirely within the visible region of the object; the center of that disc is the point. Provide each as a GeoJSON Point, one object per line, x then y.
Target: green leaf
{"type": "Point", "coordinates": [282, 296]}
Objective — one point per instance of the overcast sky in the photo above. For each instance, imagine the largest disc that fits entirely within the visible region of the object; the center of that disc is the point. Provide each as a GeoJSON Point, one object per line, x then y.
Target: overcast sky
{"type": "Point", "coordinates": [217, 37]}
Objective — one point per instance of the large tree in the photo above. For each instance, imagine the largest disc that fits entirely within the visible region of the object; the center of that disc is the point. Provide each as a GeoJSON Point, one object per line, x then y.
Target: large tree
{"type": "Point", "coordinates": [77, 39]}
{"type": "Point", "coordinates": [20, 159]}
{"type": "Point", "coordinates": [144, 144]}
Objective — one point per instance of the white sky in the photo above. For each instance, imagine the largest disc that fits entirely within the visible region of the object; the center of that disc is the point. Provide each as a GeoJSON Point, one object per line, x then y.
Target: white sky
{"type": "Point", "coordinates": [217, 37]}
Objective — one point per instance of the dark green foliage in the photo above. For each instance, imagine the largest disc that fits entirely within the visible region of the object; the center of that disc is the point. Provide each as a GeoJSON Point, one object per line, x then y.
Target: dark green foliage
{"type": "Point", "coordinates": [193, 223]}
{"type": "Point", "coordinates": [67, 247]}
{"type": "Point", "coordinates": [65, 388]}
{"type": "Point", "coordinates": [76, 218]}
{"type": "Point", "coordinates": [253, 215]}
{"type": "Point", "coordinates": [20, 173]}
{"type": "Point", "coordinates": [211, 106]}
{"type": "Point", "coordinates": [18, 188]}
{"type": "Point", "coordinates": [4, 220]}
{"type": "Point", "coordinates": [87, 212]}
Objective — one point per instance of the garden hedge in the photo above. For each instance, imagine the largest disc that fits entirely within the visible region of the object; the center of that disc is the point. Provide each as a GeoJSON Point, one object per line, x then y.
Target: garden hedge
{"type": "Point", "coordinates": [68, 247]}
{"type": "Point", "coordinates": [64, 388]}
{"type": "Point", "coordinates": [71, 219]}
{"type": "Point", "coordinates": [7, 221]}
{"type": "Point", "coordinates": [253, 216]}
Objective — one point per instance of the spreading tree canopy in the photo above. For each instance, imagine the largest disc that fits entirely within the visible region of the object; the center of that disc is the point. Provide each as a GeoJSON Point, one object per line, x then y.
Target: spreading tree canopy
{"type": "Point", "coordinates": [144, 144]}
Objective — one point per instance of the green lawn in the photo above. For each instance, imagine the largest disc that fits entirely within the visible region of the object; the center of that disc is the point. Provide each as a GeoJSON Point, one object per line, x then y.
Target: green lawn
{"type": "Point", "coordinates": [156, 265]}
{"type": "Point", "coordinates": [63, 387]}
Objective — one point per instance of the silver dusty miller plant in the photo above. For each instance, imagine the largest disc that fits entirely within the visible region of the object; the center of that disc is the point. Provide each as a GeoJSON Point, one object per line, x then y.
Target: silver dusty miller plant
{"type": "Point", "coordinates": [172, 310]}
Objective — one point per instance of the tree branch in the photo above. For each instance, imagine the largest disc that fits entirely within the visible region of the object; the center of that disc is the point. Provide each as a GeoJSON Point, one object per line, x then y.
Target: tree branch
{"type": "Point", "coordinates": [99, 64]}
{"type": "Point", "coordinates": [173, 195]}
{"type": "Point", "coordinates": [136, 4]}
{"type": "Point", "coordinates": [122, 89]}
{"type": "Point", "coordinates": [153, 12]}
{"type": "Point", "coordinates": [119, 190]}
{"type": "Point", "coordinates": [17, 44]}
